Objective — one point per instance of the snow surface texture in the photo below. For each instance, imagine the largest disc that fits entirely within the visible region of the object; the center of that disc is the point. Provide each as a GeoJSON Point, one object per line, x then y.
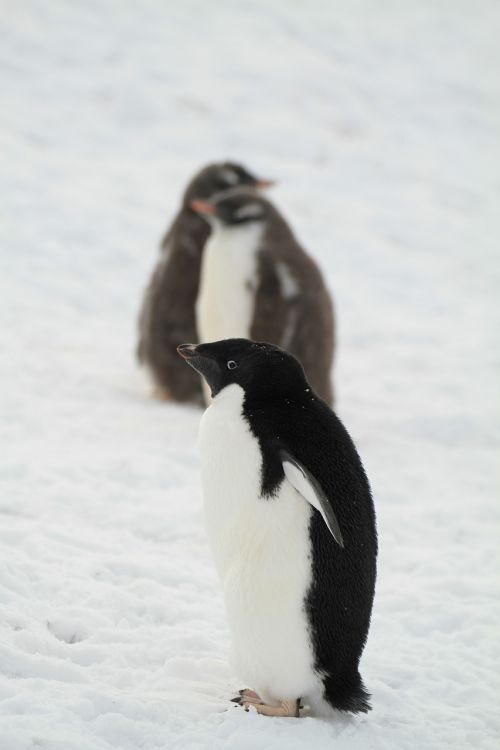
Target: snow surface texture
{"type": "Point", "coordinates": [380, 120]}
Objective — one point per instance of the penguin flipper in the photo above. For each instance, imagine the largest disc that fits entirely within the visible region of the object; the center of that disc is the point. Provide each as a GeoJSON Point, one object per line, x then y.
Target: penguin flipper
{"type": "Point", "coordinates": [310, 489]}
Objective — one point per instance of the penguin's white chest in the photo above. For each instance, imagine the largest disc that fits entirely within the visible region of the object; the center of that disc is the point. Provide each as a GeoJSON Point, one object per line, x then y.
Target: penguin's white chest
{"type": "Point", "coordinates": [225, 304]}
{"type": "Point", "coordinates": [262, 552]}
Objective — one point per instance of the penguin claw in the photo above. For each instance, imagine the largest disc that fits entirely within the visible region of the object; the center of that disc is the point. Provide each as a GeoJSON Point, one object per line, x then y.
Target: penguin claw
{"type": "Point", "coordinates": [251, 694]}
{"type": "Point", "coordinates": [247, 697]}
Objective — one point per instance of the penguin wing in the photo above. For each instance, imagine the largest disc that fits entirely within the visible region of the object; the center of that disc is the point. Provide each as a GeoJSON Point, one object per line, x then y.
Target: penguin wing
{"type": "Point", "coordinates": [310, 489]}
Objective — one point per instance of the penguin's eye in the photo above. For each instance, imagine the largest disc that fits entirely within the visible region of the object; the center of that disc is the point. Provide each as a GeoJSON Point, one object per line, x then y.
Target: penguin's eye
{"type": "Point", "coordinates": [231, 365]}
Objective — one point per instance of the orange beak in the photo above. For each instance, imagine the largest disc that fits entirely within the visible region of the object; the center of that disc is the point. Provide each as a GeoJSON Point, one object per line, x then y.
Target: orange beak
{"type": "Point", "coordinates": [202, 207]}
{"type": "Point", "coordinates": [263, 184]}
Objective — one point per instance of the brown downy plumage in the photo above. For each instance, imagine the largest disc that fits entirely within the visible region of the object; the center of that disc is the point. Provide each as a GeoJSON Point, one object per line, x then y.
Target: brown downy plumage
{"type": "Point", "coordinates": [167, 316]}
{"type": "Point", "coordinates": [291, 305]}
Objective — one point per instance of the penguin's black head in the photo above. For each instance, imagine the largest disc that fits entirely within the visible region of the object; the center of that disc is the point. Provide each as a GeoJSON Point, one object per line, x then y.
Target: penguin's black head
{"type": "Point", "coordinates": [233, 208]}
{"type": "Point", "coordinates": [264, 371]}
{"type": "Point", "coordinates": [216, 178]}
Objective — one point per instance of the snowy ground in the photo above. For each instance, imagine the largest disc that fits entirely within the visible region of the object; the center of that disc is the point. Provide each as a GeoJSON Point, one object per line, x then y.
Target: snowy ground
{"type": "Point", "coordinates": [381, 122]}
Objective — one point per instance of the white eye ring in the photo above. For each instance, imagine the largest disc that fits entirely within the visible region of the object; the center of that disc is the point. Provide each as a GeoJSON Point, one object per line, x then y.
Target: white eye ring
{"type": "Point", "coordinates": [231, 365]}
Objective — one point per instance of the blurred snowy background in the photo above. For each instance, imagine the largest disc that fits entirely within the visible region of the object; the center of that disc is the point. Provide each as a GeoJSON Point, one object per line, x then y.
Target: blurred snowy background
{"type": "Point", "coordinates": [381, 123]}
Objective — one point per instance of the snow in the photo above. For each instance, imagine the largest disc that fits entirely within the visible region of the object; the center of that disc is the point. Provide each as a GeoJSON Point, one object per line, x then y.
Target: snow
{"type": "Point", "coordinates": [380, 121]}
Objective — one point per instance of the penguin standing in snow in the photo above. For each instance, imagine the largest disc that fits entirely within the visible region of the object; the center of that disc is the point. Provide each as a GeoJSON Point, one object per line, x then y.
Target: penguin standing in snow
{"type": "Point", "coordinates": [291, 524]}
{"type": "Point", "coordinates": [257, 282]}
{"type": "Point", "coordinates": [167, 316]}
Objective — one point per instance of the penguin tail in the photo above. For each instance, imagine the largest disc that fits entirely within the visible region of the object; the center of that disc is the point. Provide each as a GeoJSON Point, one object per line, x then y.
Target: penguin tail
{"type": "Point", "coordinates": [347, 694]}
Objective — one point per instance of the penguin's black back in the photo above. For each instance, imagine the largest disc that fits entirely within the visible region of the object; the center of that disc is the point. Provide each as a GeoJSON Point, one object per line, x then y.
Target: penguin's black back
{"type": "Point", "coordinates": [339, 600]}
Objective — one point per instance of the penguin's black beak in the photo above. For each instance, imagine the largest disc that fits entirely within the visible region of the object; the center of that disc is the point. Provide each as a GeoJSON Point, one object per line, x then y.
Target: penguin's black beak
{"type": "Point", "coordinates": [264, 184]}
{"type": "Point", "coordinates": [186, 350]}
{"type": "Point", "coordinates": [204, 363]}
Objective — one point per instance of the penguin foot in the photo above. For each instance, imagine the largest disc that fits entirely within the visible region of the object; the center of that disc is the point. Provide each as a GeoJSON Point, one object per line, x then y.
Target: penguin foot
{"type": "Point", "coordinates": [247, 696]}
{"type": "Point", "coordinates": [286, 708]}
{"type": "Point", "coordinates": [161, 394]}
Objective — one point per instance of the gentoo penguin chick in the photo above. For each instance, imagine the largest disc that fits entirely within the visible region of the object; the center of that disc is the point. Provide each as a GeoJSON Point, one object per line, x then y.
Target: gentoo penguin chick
{"type": "Point", "coordinates": [257, 282]}
{"type": "Point", "coordinates": [291, 524]}
{"type": "Point", "coordinates": [167, 316]}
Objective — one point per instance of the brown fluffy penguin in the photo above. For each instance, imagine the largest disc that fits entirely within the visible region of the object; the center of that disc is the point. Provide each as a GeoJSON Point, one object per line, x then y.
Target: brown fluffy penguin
{"type": "Point", "coordinates": [167, 316]}
{"type": "Point", "coordinates": [257, 282]}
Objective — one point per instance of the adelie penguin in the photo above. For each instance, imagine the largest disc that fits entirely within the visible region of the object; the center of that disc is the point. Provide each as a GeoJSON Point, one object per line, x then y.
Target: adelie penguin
{"type": "Point", "coordinates": [257, 282]}
{"type": "Point", "coordinates": [167, 316]}
{"type": "Point", "coordinates": [291, 524]}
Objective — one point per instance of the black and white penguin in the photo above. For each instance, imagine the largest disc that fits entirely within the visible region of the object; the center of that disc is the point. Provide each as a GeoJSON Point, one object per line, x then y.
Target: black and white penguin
{"type": "Point", "coordinates": [291, 523]}
{"type": "Point", "coordinates": [167, 315]}
{"type": "Point", "coordinates": [257, 282]}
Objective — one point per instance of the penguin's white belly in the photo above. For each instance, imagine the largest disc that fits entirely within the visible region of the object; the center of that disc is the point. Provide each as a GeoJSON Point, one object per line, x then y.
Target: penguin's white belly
{"type": "Point", "coordinates": [225, 304]}
{"type": "Point", "coordinates": [262, 552]}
